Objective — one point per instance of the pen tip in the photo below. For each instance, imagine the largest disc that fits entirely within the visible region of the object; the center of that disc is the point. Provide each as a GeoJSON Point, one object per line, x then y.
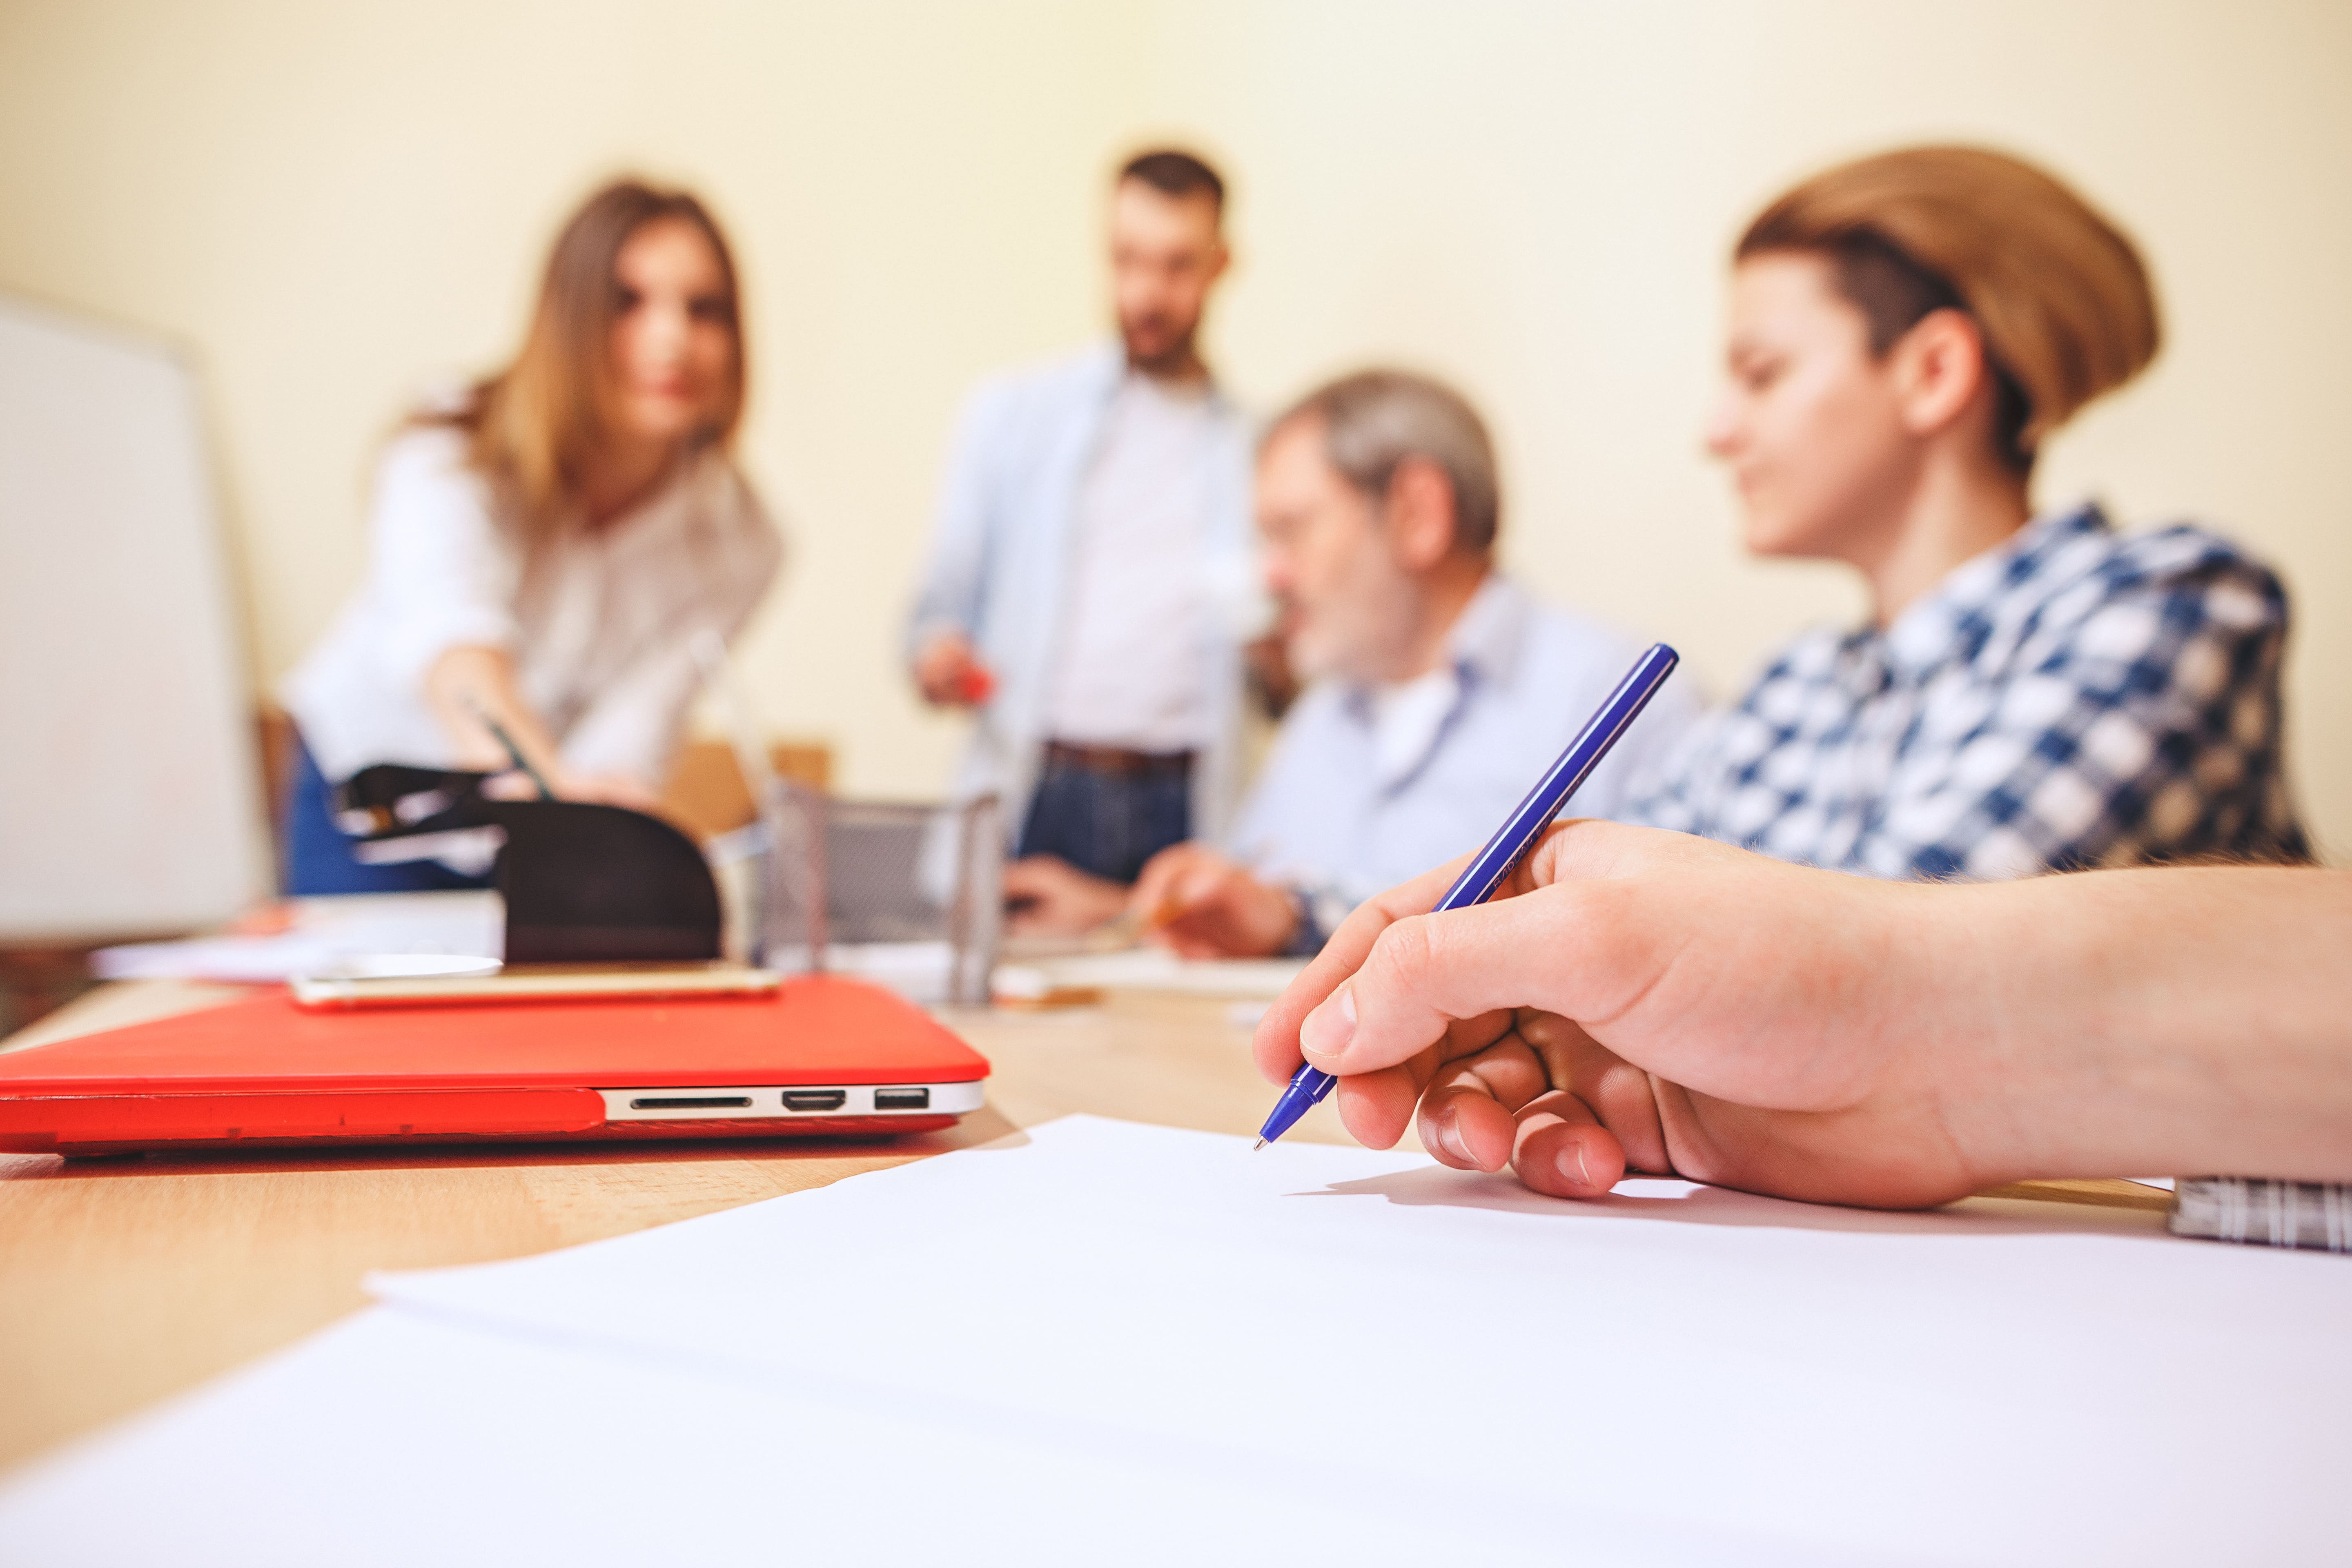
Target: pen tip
{"type": "Point", "coordinates": [1258, 1145]}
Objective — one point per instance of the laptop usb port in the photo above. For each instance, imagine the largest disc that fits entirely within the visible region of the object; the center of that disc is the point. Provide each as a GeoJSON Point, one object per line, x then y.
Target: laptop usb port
{"type": "Point", "coordinates": [692, 1103]}
{"type": "Point", "coordinates": [902, 1099]}
{"type": "Point", "coordinates": [814, 1098]}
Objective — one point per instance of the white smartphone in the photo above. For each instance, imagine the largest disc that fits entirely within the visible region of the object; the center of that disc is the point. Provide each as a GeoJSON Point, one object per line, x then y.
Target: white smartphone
{"type": "Point", "coordinates": [400, 983]}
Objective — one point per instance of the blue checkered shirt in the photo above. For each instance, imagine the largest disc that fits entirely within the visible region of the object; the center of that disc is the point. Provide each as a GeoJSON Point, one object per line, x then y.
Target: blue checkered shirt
{"type": "Point", "coordinates": [2077, 697]}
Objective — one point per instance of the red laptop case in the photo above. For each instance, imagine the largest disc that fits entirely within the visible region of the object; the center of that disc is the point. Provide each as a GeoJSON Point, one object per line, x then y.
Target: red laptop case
{"type": "Point", "coordinates": [821, 1055]}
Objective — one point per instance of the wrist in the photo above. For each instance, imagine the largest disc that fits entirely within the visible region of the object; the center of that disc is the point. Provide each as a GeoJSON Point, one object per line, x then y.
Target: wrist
{"type": "Point", "coordinates": [2028, 1075]}
{"type": "Point", "coordinates": [1941, 1000]}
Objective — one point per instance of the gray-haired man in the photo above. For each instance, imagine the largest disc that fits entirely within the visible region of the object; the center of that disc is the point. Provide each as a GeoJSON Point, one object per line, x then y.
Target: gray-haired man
{"type": "Point", "coordinates": [1439, 690]}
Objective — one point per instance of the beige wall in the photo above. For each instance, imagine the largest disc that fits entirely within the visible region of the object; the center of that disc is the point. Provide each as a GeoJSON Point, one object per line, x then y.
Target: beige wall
{"type": "Point", "coordinates": [335, 205]}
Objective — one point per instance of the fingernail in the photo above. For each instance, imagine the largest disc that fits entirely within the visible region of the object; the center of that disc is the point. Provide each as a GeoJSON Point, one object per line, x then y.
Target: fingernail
{"type": "Point", "coordinates": [1448, 1138]}
{"type": "Point", "coordinates": [1331, 1026]}
{"type": "Point", "coordinates": [1570, 1164]}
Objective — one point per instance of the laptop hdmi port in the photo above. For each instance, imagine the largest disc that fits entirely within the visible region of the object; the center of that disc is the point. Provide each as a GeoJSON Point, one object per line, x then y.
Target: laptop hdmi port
{"type": "Point", "coordinates": [814, 1098]}
{"type": "Point", "coordinates": [902, 1099]}
{"type": "Point", "coordinates": [692, 1103]}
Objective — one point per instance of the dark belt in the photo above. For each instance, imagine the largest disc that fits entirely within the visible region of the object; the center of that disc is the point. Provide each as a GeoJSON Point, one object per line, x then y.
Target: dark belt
{"type": "Point", "coordinates": [1116, 760]}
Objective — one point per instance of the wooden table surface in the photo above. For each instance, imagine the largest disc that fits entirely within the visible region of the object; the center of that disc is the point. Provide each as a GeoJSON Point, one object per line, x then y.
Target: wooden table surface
{"type": "Point", "coordinates": [123, 1280]}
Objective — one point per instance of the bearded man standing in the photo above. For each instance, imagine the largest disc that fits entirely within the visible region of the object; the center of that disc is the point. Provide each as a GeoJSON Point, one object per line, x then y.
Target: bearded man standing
{"type": "Point", "coordinates": [1090, 581]}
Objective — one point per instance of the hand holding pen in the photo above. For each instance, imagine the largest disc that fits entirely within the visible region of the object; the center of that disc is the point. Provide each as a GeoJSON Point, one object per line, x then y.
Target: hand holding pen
{"type": "Point", "coordinates": [1486, 872]}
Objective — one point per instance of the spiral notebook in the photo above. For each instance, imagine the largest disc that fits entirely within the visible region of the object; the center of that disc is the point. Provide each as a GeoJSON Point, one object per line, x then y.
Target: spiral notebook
{"type": "Point", "coordinates": [2313, 1215]}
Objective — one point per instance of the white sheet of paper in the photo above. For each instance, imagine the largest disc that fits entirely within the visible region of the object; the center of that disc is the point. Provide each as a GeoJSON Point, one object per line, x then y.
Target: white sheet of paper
{"type": "Point", "coordinates": [1114, 1342]}
{"type": "Point", "coordinates": [394, 1439]}
{"type": "Point", "coordinates": [325, 930]}
{"type": "Point", "coordinates": [2004, 1382]}
{"type": "Point", "coordinates": [919, 971]}
{"type": "Point", "coordinates": [1157, 969]}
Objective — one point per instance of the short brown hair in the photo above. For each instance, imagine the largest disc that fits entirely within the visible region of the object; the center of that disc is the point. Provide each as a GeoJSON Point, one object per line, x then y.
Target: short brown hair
{"type": "Point", "coordinates": [1376, 419]}
{"type": "Point", "coordinates": [1175, 172]}
{"type": "Point", "coordinates": [2060, 294]}
{"type": "Point", "coordinates": [533, 424]}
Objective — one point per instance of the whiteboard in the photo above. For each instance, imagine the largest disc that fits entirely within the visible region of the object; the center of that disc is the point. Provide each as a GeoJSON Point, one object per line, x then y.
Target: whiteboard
{"type": "Point", "coordinates": [130, 799]}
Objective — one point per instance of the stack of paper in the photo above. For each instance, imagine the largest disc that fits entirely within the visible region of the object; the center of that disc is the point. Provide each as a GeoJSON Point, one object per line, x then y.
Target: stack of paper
{"type": "Point", "coordinates": [1113, 1342]}
{"type": "Point", "coordinates": [1148, 969]}
{"type": "Point", "coordinates": [321, 933]}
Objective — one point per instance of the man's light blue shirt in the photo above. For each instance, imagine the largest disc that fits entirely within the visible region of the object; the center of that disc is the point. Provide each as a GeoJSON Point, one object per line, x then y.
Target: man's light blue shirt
{"type": "Point", "coordinates": [999, 569]}
{"type": "Point", "coordinates": [1327, 819]}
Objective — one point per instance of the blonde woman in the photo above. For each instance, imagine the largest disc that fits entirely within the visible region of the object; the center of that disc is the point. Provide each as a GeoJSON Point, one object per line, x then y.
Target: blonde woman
{"type": "Point", "coordinates": [545, 551]}
{"type": "Point", "coordinates": [2031, 690]}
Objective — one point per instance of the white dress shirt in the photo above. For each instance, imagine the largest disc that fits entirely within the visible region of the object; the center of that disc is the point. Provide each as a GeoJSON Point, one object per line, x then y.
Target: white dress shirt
{"type": "Point", "coordinates": [1130, 671]}
{"type": "Point", "coordinates": [599, 623]}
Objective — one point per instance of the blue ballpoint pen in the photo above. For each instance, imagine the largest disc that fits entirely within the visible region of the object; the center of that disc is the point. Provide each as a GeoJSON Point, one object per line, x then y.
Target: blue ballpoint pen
{"type": "Point", "coordinates": [1310, 1084]}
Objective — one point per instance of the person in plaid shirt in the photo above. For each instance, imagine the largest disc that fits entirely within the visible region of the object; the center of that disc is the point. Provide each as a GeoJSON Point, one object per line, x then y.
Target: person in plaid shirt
{"type": "Point", "coordinates": [2028, 695]}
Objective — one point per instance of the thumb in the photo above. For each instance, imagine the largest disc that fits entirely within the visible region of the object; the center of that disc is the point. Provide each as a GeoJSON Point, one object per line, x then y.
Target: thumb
{"type": "Point", "coordinates": [1425, 972]}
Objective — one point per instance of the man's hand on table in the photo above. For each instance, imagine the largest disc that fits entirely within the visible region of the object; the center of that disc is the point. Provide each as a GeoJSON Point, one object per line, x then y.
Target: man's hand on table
{"type": "Point", "coordinates": [1045, 895]}
{"type": "Point", "coordinates": [1193, 901]}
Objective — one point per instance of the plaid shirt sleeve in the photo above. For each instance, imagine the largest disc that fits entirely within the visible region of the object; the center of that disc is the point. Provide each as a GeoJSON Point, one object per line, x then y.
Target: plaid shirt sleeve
{"type": "Point", "coordinates": [1664, 797]}
{"type": "Point", "coordinates": [2137, 721]}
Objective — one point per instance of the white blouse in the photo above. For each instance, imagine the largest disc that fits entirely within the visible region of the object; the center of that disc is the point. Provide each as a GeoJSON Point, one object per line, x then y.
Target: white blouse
{"type": "Point", "coordinates": [600, 623]}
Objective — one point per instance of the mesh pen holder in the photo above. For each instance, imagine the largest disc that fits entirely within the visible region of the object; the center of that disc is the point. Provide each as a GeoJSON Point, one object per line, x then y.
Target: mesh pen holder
{"type": "Point", "coordinates": [846, 879]}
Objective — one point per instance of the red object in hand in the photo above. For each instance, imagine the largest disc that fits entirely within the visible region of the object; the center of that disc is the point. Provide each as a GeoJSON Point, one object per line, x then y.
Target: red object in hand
{"type": "Point", "coordinates": [976, 685]}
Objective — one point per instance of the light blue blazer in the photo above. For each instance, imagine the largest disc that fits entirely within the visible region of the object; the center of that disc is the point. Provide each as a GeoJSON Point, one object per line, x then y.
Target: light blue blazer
{"type": "Point", "coordinates": [999, 569]}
